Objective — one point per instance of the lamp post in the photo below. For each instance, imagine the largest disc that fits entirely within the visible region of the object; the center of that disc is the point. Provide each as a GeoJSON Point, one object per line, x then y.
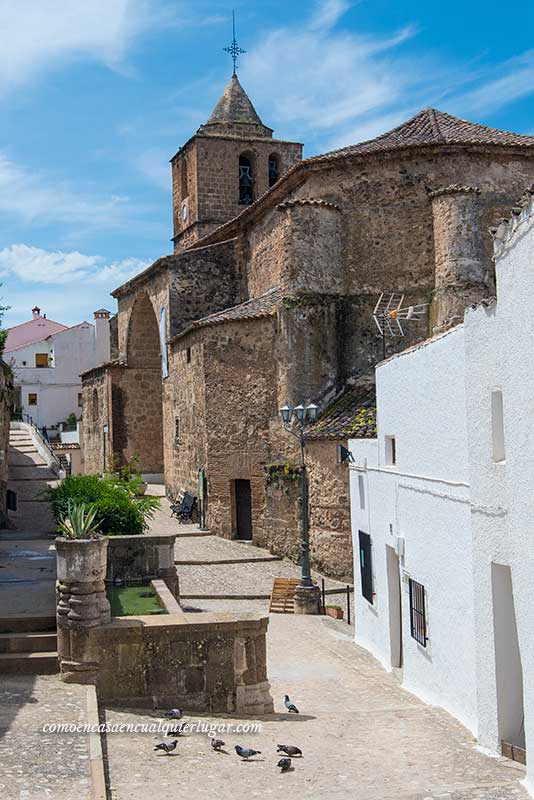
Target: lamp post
{"type": "Point", "coordinates": [307, 595]}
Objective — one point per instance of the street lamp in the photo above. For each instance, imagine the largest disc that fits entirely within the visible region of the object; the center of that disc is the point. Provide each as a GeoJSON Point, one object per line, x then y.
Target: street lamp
{"type": "Point", "coordinates": [307, 595]}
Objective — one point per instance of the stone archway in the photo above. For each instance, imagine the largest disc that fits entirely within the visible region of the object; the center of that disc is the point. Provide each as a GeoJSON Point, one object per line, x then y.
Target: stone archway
{"type": "Point", "coordinates": [142, 389]}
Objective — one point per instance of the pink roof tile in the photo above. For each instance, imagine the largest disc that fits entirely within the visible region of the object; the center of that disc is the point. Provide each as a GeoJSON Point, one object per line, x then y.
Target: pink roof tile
{"type": "Point", "coordinates": [30, 332]}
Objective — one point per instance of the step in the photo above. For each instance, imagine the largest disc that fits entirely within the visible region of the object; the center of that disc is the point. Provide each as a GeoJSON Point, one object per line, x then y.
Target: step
{"type": "Point", "coordinates": [30, 642]}
{"type": "Point", "coordinates": [29, 663]}
{"type": "Point", "coordinates": [28, 624]}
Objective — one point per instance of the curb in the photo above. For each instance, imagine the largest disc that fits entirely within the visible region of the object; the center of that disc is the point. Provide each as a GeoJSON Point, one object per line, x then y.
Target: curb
{"type": "Point", "coordinates": [207, 563]}
{"type": "Point", "coordinates": [96, 762]}
{"type": "Point", "coordinates": [248, 596]}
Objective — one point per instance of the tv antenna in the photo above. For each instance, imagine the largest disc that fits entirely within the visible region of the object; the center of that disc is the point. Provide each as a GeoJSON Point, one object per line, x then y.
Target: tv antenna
{"type": "Point", "coordinates": [389, 314]}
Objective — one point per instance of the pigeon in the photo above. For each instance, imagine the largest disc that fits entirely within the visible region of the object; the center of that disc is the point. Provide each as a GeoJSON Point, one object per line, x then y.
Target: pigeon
{"type": "Point", "coordinates": [167, 747]}
{"type": "Point", "coordinates": [289, 750]}
{"type": "Point", "coordinates": [177, 731]}
{"type": "Point", "coordinates": [174, 713]}
{"type": "Point", "coordinates": [284, 764]}
{"type": "Point", "coordinates": [291, 707]}
{"type": "Point", "coordinates": [217, 744]}
{"type": "Point", "coordinates": [246, 752]}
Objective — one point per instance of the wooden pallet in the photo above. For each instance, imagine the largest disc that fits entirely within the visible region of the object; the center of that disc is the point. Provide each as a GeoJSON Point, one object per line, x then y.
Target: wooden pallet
{"type": "Point", "coordinates": [282, 595]}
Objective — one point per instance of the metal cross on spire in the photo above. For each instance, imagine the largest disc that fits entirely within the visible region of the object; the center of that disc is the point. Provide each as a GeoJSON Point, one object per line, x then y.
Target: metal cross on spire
{"type": "Point", "coordinates": [234, 49]}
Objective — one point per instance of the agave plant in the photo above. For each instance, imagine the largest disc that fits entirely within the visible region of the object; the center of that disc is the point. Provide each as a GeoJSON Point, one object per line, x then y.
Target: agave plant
{"type": "Point", "coordinates": [80, 522]}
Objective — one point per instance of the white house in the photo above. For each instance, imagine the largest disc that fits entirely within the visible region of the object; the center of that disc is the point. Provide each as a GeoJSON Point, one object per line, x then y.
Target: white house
{"type": "Point", "coordinates": [442, 507]}
{"type": "Point", "coordinates": [48, 358]}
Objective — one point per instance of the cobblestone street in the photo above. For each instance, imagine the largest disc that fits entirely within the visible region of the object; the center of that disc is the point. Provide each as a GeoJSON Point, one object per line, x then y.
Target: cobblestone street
{"type": "Point", "coordinates": [362, 736]}
{"type": "Point", "coordinates": [42, 766]}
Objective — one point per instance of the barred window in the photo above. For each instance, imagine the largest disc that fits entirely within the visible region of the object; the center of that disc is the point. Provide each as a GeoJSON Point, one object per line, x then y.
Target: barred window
{"type": "Point", "coordinates": [418, 612]}
{"type": "Point", "coordinates": [274, 169]}
{"type": "Point", "coordinates": [246, 181]}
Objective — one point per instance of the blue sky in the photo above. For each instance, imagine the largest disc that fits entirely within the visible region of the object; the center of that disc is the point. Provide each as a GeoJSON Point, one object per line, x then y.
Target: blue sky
{"type": "Point", "coordinates": [97, 95]}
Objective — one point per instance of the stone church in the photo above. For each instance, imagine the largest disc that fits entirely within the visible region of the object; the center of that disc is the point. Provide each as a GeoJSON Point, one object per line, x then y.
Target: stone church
{"type": "Point", "coordinates": [268, 299]}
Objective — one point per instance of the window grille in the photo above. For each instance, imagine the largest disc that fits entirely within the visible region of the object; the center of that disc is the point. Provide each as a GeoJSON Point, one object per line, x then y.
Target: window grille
{"type": "Point", "coordinates": [366, 567]}
{"type": "Point", "coordinates": [418, 612]}
{"type": "Point", "coordinates": [245, 181]}
{"type": "Point", "coordinates": [273, 170]}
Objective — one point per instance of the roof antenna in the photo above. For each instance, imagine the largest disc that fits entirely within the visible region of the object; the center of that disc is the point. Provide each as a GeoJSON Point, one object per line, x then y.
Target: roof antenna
{"type": "Point", "coordinates": [389, 312]}
{"type": "Point", "coordinates": [234, 49]}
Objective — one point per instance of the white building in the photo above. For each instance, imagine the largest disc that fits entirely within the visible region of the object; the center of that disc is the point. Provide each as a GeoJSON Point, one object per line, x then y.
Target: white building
{"type": "Point", "coordinates": [442, 506]}
{"type": "Point", "coordinates": [48, 358]}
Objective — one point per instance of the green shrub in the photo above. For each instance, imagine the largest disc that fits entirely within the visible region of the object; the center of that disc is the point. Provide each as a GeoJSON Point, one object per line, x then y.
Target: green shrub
{"type": "Point", "coordinates": [118, 513]}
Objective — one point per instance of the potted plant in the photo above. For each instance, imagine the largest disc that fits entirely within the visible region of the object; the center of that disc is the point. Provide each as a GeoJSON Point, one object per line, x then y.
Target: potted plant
{"type": "Point", "coordinates": [82, 556]}
{"type": "Point", "coordinates": [334, 611]}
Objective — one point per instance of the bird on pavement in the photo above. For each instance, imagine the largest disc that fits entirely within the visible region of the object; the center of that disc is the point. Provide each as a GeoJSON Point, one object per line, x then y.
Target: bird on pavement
{"type": "Point", "coordinates": [174, 713]}
{"type": "Point", "coordinates": [291, 707]}
{"type": "Point", "coordinates": [284, 764]}
{"type": "Point", "coordinates": [289, 750]}
{"type": "Point", "coordinates": [167, 747]}
{"type": "Point", "coordinates": [246, 752]}
{"type": "Point", "coordinates": [217, 744]}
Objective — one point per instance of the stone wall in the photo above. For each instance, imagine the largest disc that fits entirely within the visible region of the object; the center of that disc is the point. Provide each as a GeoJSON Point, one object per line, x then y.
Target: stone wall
{"type": "Point", "coordinates": [214, 663]}
{"type": "Point", "coordinates": [96, 414]}
{"type": "Point", "coordinates": [7, 400]}
{"type": "Point", "coordinates": [185, 415]}
{"type": "Point", "coordinates": [330, 528]}
{"type": "Point", "coordinates": [143, 557]}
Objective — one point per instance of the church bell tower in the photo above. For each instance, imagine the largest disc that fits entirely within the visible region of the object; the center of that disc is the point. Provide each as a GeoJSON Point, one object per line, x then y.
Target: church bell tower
{"type": "Point", "coordinates": [229, 162]}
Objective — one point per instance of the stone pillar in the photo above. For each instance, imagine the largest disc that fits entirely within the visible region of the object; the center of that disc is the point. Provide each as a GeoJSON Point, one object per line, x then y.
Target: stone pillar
{"type": "Point", "coordinates": [81, 604]}
{"type": "Point", "coordinates": [461, 271]}
{"type": "Point", "coordinates": [307, 600]}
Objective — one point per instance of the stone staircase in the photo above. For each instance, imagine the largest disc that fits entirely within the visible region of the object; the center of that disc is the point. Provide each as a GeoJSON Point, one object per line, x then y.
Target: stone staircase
{"type": "Point", "coordinates": [28, 640]}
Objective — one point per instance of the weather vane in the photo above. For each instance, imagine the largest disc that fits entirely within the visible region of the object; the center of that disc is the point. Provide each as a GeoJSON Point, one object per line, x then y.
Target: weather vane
{"type": "Point", "coordinates": [234, 49]}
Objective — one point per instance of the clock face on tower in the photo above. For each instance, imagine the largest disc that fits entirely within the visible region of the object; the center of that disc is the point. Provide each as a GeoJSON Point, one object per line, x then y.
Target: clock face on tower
{"type": "Point", "coordinates": [184, 212]}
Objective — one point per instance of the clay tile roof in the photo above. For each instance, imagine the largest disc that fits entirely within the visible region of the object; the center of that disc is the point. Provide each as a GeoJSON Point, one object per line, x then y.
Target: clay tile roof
{"type": "Point", "coordinates": [351, 416]}
{"type": "Point", "coordinates": [307, 201]}
{"type": "Point", "coordinates": [35, 330]}
{"type": "Point", "coordinates": [263, 306]}
{"type": "Point", "coordinates": [431, 127]}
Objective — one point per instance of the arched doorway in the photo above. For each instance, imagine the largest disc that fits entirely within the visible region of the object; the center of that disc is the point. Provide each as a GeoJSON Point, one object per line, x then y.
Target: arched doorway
{"type": "Point", "coordinates": [143, 410]}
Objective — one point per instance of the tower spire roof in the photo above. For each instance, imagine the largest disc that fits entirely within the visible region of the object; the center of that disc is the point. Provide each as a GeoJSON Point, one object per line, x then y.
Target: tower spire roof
{"type": "Point", "coordinates": [235, 115]}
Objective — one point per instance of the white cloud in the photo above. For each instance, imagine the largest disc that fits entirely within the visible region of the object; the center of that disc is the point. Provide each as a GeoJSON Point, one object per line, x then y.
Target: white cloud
{"type": "Point", "coordinates": [36, 265]}
{"type": "Point", "coordinates": [329, 87]}
{"type": "Point", "coordinates": [317, 78]}
{"type": "Point", "coordinates": [35, 197]}
{"type": "Point", "coordinates": [515, 80]}
{"type": "Point", "coordinates": [36, 35]}
{"type": "Point", "coordinates": [328, 12]}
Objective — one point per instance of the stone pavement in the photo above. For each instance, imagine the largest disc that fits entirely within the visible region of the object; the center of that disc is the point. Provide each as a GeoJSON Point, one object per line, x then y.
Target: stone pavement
{"type": "Point", "coordinates": [363, 737]}
{"type": "Point", "coordinates": [36, 765]}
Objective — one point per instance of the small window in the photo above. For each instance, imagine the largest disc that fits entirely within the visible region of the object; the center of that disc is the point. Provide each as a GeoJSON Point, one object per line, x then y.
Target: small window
{"type": "Point", "coordinates": [80, 400]}
{"type": "Point", "coordinates": [418, 612]}
{"type": "Point", "coordinates": [41, 359]}
{"type": "Point", "coordinates": [177, 430]}
{"type": "Point", "coordinates": [497, 426]}
{"type": "Point", "coordinates": [274, 170]}
{"type": "Point", "coordinates": [366, 567]}
{"type": "Point", "coordinates": [391, 451]}
{"type": "Point", "coordinates": [32, 399]}
{"type": "Point", "coordinates": [188, 355]}
{"type": "Point", "coordinates": [246, 181]}
{"type": "Point", "coordinates": [361, 491]}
